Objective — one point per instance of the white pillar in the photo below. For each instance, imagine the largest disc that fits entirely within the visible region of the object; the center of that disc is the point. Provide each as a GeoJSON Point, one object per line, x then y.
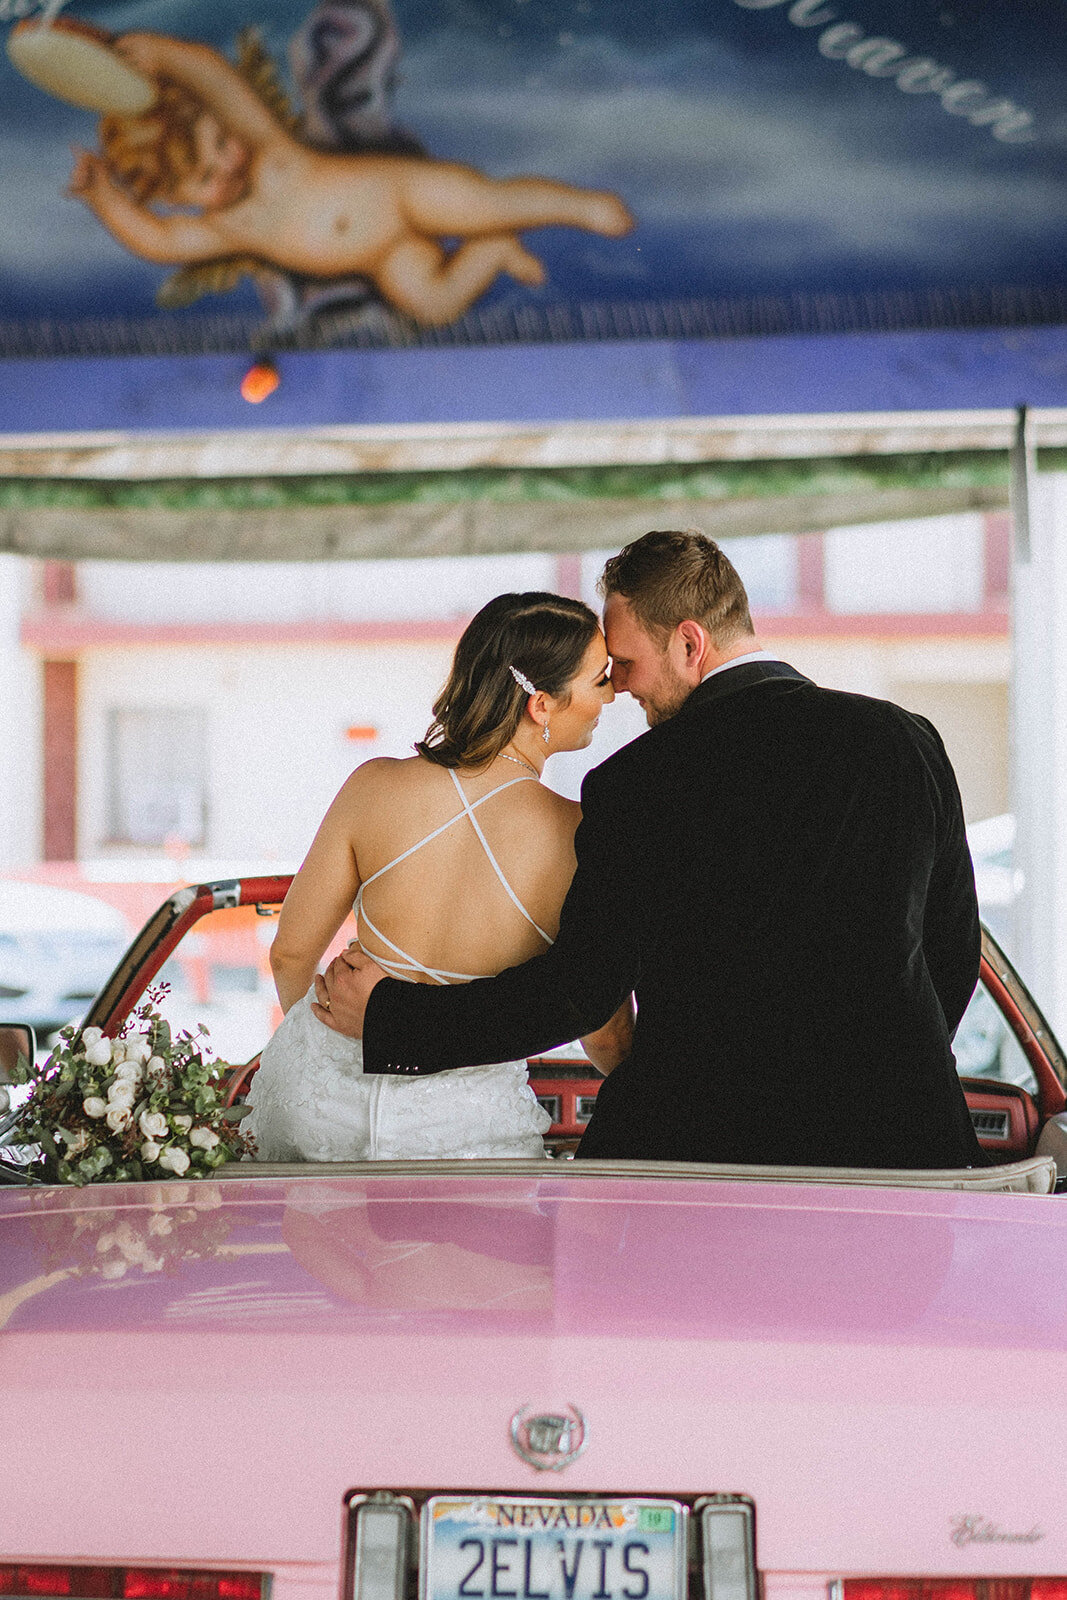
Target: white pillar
{"type": "Point", "coordinates": [1039, 746]}
{"type": "Point", "coordinates": [20, 724]}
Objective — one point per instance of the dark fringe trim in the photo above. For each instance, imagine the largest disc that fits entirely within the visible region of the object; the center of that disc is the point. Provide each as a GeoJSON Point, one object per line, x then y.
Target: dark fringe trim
{"type": "Point", "coordinates": [376, 327]}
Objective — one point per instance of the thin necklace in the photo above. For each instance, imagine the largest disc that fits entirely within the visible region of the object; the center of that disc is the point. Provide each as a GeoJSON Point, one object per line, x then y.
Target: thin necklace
{"type": "Point", "coordinates": [519, 762]}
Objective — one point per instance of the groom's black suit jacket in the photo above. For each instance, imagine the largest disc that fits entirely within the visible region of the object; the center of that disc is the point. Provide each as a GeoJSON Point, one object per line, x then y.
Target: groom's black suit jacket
{"type": "Point", "coordinates": [781, 874]}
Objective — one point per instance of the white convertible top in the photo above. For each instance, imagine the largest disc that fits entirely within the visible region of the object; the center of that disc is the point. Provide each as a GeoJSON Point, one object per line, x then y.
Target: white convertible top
{"type": "Point", "coordinates": [1036, 1175]}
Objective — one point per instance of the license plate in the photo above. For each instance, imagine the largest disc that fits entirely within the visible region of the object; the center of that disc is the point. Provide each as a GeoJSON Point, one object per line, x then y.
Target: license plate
{"type": "Point", "coordinates": [533, 1548]}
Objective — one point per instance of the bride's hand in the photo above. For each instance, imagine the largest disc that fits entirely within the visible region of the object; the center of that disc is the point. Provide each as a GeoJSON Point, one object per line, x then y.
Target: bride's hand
{"type": "Point", "coordinates": [342, 991]}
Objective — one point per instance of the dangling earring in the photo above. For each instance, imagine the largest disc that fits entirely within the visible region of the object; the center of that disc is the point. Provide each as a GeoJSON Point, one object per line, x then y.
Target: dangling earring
{"type": "Point", "coordinates": [546, 736]}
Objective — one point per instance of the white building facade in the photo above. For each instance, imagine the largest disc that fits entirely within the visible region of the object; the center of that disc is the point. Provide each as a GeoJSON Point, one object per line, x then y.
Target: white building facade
{"type": "Point", "coordinates": [209, 713]}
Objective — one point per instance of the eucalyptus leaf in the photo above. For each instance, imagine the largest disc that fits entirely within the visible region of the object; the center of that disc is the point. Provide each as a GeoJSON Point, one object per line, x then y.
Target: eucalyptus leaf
{"type": "Point", "coordinates": [235, 1113]}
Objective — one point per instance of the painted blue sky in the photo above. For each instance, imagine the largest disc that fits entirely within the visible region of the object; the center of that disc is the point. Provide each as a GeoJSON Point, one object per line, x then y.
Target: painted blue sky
{"type": "Point", "coordinates": [758, 156]}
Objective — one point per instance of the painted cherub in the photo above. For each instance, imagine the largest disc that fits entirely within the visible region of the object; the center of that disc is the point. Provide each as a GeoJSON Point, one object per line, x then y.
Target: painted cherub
{"type": "Point", "coordinates": [211, 144]}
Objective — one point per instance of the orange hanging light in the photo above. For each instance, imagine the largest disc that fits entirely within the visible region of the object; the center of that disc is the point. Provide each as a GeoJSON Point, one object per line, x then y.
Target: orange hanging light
{"type": "Point", "coordinates": [259, 381]}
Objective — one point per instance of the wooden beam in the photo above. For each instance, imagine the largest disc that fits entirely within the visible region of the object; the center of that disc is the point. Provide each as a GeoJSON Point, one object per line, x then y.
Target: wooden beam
{"type": "Point", "coordinates": [456, 447]}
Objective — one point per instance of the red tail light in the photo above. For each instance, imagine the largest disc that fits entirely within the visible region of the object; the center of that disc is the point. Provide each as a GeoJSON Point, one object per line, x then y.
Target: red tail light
{"type": "Point", "coordinates": [132, 1583]}
{"type": "Point", "coordinates": [156, 1583]}
{"type": "Point", "coordinates": [86, 1583]}
{"type": "Point", "coordinates": [953, 1589]}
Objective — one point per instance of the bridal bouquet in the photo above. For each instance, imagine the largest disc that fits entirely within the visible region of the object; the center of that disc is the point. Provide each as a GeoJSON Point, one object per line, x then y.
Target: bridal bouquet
{"type": "Point", "coordinates": [143, 1105]}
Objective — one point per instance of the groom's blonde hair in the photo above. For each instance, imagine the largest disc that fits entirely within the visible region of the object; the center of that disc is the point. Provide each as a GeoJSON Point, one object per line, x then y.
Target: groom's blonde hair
{"type": "Point", "coordinates": [668, 578]}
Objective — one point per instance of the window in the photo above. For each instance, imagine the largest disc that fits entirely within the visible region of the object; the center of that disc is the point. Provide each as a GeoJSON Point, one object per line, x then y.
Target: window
{"type": "Point", "coordinates": [767, 563]}
{"type": "Point", "coordinates": [157, 771]}
{"type": "Point", "coordinates": [932, 565]}
{"type": "Point", "coordinates": [985, 1047]}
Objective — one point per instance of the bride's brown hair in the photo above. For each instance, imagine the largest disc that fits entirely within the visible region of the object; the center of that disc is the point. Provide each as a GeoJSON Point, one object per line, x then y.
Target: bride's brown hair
{"type": "Point", "coordinates": [544, 636]}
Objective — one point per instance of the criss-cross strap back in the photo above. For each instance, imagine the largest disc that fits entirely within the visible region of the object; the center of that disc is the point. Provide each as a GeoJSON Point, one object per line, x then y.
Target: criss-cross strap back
{"type": "Point", "coordinates": [403, 965]}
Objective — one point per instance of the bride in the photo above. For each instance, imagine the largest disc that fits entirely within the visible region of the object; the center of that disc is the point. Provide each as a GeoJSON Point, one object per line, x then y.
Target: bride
{"type": "Point", "coordinates": [456, 861]}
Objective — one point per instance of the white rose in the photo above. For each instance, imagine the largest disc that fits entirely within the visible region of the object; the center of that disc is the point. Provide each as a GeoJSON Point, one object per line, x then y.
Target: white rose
{"type": "Point", "coordinates": [153, 1124]}
{"type": "Point", "coordinates": [128, 1072]}
{"type": "Point", "coordinates": [99, 1053]}
{"type": "Point", "coordinates": [156, 1066]}
{"type": "Point", "coordinates": [92, 1036]}
{"type": "Point", "coordinates": [150, 1152]}
{"type": "Point", "coordinates": [76, 1142]}
{"type": "Point", "coordinates": [203, 1139]}
{"type": "Point", "coordinates": [175, 1160]}
{"type": "Point", "coordinates": [122, 1093]}
{"type": "Point", "coordinates": [183, 1123]}
{"type": "Point", "coordinates": [94, 1106]}
{"type": "Point", "coordinates": [119, 1118]}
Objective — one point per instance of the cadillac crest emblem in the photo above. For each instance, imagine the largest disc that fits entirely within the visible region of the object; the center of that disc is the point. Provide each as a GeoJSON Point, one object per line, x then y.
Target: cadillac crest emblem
{"type": "Point", "coordinates": [549, 1441]}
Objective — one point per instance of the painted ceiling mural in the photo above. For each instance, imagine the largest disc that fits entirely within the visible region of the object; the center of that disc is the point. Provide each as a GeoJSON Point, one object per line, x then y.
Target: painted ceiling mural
{"type": "Point", "coordinates": [184, 175]}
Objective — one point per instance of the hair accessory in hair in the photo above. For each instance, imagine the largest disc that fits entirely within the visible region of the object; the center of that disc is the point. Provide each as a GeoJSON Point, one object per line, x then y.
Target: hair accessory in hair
{"type": "Point", "coordinates": [521, 679]}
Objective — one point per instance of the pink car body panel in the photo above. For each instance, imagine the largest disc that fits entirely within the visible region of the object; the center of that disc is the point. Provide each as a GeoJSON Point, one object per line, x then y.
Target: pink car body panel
{"type": "Point", "coordinates": [869, 1365]}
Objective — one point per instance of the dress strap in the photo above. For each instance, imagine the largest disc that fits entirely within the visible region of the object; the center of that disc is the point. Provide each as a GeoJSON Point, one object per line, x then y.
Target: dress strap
{"type": "Point", "coordinates": [437, 832]}
{"type": "Point", "coordinates": [493, 862]}
{"type": "Point", "coordinates": [405, 965]}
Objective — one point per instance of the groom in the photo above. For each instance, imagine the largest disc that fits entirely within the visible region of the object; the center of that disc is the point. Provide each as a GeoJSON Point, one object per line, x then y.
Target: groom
{"type": "Point", "coordinates": [779, 872]}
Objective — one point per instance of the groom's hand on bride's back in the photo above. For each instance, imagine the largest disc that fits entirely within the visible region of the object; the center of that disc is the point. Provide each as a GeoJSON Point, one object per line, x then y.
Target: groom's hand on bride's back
{"type": "Point", "coordinates": [342, 991]}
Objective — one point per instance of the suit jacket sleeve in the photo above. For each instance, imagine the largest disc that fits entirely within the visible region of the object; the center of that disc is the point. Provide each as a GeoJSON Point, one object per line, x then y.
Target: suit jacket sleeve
{"type": "Point", "coordinates": [952, 935]}
{"type": "Point", "coordinates": [570, 990]}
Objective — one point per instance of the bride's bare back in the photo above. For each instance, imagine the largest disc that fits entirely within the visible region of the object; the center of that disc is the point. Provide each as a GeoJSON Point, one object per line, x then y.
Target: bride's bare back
{"type": "Point", "coordinates": [443, 905]}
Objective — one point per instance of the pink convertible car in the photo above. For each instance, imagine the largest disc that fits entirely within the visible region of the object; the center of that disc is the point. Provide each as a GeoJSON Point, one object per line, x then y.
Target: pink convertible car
{"type": "Point", "coordinates": [546, 1380]}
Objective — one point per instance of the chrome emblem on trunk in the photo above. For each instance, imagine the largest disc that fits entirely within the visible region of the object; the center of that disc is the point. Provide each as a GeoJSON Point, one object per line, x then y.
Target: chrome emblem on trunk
{"type": "Point", "coordinates": [972, 1529]}
{"type": "Point", "coordinates": [549, 1441]}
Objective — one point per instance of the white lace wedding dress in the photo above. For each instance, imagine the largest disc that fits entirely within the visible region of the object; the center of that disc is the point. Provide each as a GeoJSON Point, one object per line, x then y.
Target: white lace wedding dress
{"type": "Point", "coordinates": [312, 1101]}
